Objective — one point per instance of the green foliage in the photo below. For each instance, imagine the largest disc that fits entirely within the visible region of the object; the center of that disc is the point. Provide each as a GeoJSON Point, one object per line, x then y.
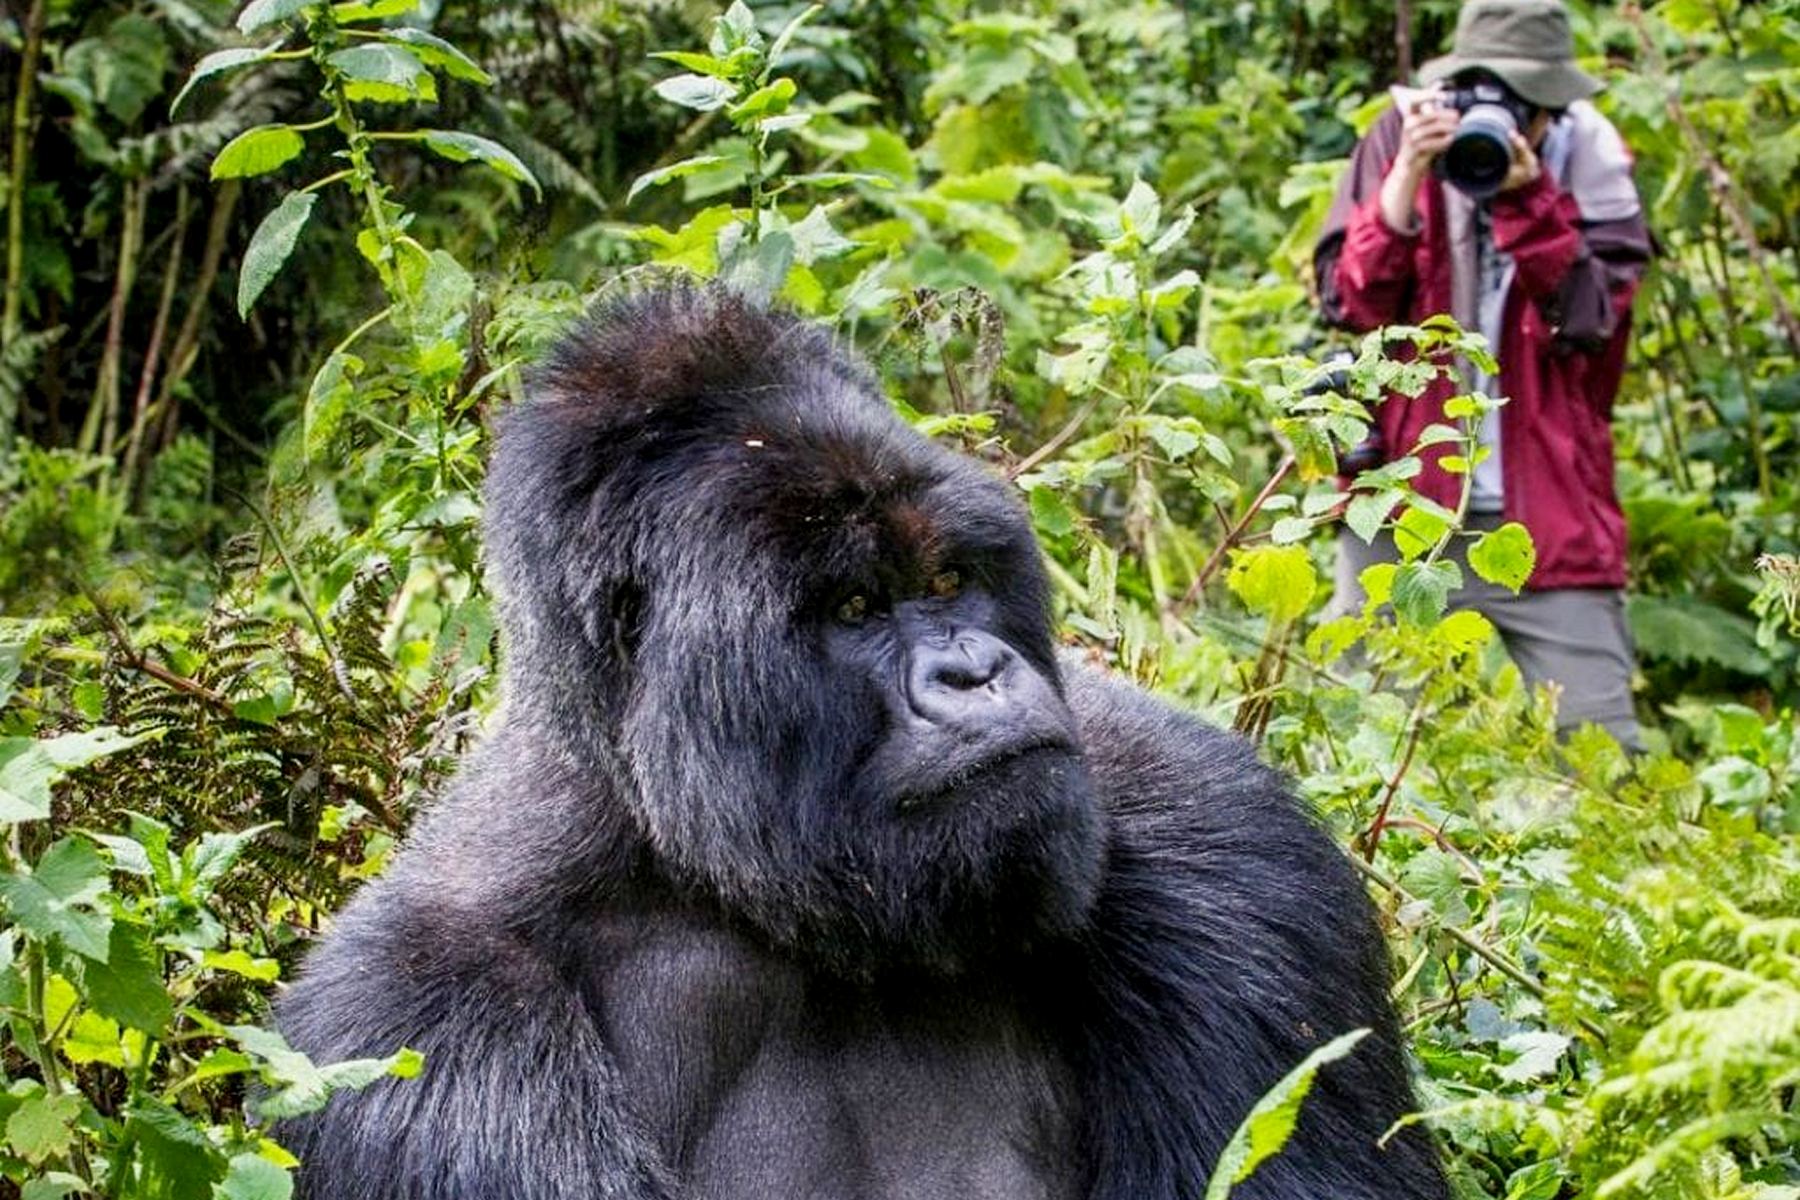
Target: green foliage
{"type": "Point", "coordinates": [245, 628]}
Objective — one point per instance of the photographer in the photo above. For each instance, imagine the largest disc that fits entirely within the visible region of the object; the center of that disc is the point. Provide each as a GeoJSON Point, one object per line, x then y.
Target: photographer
{"type": "Point", "coordinates": [1503, 198]}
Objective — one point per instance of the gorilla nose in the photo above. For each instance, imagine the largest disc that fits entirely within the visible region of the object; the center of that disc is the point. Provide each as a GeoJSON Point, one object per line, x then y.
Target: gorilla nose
{"type": "Point", "coordinates": [960, 677]}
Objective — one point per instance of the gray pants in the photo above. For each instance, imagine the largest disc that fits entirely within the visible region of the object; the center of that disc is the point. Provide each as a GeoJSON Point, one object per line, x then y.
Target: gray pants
{"type": "Point", "coordinates": [1574, 637]}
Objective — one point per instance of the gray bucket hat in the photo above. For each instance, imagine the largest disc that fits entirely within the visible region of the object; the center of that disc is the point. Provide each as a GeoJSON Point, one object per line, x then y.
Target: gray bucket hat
{"type": "Point", "coordinates": [1527, 43]}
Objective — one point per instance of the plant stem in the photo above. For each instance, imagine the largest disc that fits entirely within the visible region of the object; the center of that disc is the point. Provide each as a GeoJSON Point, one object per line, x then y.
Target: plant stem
{"type": "Point", "coordinates": [1231, 537]}
{"type": "Point", "coordinates": [101, 427]}
{"type": "Point", "coordinates": [140, 414]}
{"type": "Point", "coordinates": [12, 319]}
{"type": "Point", "coordinates": [187, 338]}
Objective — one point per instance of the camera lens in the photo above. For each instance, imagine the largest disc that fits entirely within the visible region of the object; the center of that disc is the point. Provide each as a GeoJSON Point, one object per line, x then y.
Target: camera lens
{"type": "Point", "coordinates": [1480, 154]}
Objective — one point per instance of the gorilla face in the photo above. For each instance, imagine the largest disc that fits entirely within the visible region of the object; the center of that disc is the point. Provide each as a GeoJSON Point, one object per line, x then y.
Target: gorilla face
{"type": "Point", "coordinates": [814, 645]}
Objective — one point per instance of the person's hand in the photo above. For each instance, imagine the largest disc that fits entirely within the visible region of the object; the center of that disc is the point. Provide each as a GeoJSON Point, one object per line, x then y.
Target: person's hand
{"type": "Point", "coordinates": [1525, 164]}
{"type": "Point", "coordinates": [1426, 129]}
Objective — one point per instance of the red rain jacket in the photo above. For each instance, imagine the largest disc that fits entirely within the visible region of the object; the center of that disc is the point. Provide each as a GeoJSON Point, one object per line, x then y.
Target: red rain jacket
{"type": "Point", "coordinates": [1567, 324]}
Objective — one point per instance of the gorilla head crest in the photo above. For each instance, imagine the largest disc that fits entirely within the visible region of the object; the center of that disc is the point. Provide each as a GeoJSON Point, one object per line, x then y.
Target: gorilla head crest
{"type": "Point", "coordinates": [815, 659]}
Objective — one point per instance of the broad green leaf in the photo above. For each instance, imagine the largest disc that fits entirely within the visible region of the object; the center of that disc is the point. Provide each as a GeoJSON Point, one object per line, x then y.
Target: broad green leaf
{"type": "Point", "coordinates": [1421, 590]}
{"type": "Point", "coordinates": [467, 147]}
{"type": "Point", "coordinates": [128, 986]}
{"type": "Point", "coordinates": [1141, 210]}
{"type": "Point", "coordinates": [43, 1126]}
{"type": "Point", "coordinates": [1367, 512]}
{"type": "Point", "coordinates": [257, 152]}
{"type": "Point", "coordinates": [1276, 581]}
{"type": "Point", "coordinates": [271, 245]}
{"type": "Point", "coordinates": [92, 1039]}
{"type": "Point", "coordinates": [59, 898]}
{"type": "Point", "coordinates": [760, 268]}
{"type": "Point", "coordinates": [1271, 1122]}
{"type": "Point", "coordinates": [253, 1177]}
{"type": "Point", "coordinates": [26, 773]}
{"type": "Point", "coordinates": [352, 11]}
{"type": "Point", "coordinates": [54, 1185]}
{"type": "Point", "coordinates": [1290, 530]}
{"type": "Point", "coordinates": [434, 51]}
{"type": "Point", "coordinates": [1050, 512]}
{"type": "Point", "coordinates": [1538, 1053]}
{"type": "Point", "coordinates": [259, 13]}
{"type": "Point", "coordinates": [297, 1086]}
{"type": "Point", "coordinates": [704, 64]}
{"type": "Point", "coordinates": [238, 962]}
{"type": "Point", "coordinates": [766, 101]}
{"type": "Point", "coordinates": [1504, 556]}
{"type": "Point", "coordinates": [383, 73]}
{"type": "Point", "coordinates": [217, 63]}
{"type": "Point", "coordinates": [703, 93]}
{"type": "Point", "coordinates": [673, 171]}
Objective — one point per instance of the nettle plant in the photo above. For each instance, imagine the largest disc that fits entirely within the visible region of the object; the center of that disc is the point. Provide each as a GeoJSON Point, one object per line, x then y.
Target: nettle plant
{"type": "Point", "coordinates": [759, 245]}
{"type": "Point", "coordinates": [128, 1041]}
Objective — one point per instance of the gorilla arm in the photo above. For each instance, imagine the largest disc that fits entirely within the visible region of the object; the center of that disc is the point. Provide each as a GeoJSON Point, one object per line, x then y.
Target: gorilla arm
{"type": "Point", "coordinates": [1231, 939]}
{"type": "Point", "coordinates": [460, 952]}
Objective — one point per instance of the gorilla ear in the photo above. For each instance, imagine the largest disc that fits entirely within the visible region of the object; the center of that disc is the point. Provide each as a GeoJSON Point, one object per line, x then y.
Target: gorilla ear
{"type": "Point", "coordinates": [648, 353]}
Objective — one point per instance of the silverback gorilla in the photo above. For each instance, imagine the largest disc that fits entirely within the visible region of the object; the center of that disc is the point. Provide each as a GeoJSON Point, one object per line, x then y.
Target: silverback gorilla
{"type": "Point", "coordinates": [796, 866]}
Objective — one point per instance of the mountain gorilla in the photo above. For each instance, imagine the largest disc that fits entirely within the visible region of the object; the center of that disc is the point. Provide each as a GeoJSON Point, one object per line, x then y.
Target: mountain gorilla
{"type": "Point", "coordinates": [797, 866]}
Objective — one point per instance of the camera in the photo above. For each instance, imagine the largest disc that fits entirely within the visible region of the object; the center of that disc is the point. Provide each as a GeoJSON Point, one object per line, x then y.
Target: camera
{"type": "Point", "coordinates": [1481, 153]}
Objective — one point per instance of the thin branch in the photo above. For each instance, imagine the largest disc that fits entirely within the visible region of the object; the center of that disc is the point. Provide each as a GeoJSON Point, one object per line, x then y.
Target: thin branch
{"type": "Point", "coordinates": [1232, 535]}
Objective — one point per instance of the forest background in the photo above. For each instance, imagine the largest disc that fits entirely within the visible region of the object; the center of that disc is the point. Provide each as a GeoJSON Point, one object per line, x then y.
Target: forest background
{"type": "Point", "coordinates": [268, 273]}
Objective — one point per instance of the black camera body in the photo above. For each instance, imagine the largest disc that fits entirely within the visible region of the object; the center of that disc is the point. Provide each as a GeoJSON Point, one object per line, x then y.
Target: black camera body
{"type": "Point", "coordinates": [1480, 155]}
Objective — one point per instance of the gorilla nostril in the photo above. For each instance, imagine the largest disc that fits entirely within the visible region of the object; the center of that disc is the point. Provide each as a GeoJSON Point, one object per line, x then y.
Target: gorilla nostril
{"type": "Point", "coordinates": [968, 674]}
{"type": "Point", "coordinates": [967, 664]}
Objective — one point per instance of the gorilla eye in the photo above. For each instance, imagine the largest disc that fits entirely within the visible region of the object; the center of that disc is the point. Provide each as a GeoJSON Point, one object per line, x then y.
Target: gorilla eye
{"type": "Point", "coordinates": [945, 585]}
{"type": "Point", "coordinates": [855, 610]}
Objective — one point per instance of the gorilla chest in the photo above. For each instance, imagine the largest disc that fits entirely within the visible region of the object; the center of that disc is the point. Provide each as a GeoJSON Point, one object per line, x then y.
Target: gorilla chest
{"type": "Point", "coordinates": [755, 1083]}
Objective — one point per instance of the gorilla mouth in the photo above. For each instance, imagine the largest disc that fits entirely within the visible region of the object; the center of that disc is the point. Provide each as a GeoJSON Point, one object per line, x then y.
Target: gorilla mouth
{"type": "Point", "coordinates": [1014, 762]}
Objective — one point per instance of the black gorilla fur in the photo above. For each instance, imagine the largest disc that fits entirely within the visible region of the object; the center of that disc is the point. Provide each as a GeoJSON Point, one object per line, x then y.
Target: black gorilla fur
{"type": "Point", "coordinates": [796, 866]}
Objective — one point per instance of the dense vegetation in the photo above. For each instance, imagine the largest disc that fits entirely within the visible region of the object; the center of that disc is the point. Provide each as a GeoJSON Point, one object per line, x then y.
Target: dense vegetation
{"type": "Point", "coordinates": [268, 272]}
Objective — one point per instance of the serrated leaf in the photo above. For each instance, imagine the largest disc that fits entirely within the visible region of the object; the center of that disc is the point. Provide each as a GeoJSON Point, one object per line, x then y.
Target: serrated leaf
{"type": "Point", "coordinates": [217, 63]}
{"type": "Point", "coordinates": [1538, 1053]}
{"type": "Point", "coordinates": [1050, 512]}
{"type": "Point", "coordinates": [259, 13]}
{"type": "Point", "coordinates": [467, 147]}
{"type": "Point", "coordinates": [128, 986]}
{"type": "Point", "coordinates": [253, 1177]}
{"type": "Point", "coordinates": [57, 898]}
{"type": "Point", "coordinates": [54, 1185]}
{"type": "Point", "coordinates": [43, 1126]}
{"type": "Point", "coordinates": [271, 245]}
{"type": "Point", "coordinates": [1367, 512]}
{"type": "Point", "coordinates": [673, 171]}
{"type": "Point", "coordinates": [257, 152]}
{"type": "Point", "coordinates": [26, 773]}
{"type": "Point", "coordinates": [383, 73]}
{"type": "Point", "coordinates": [702, 93]}
{"type": "Point", "coordinates": [434, 51]}
{"type": "Point", "coordinates": [1289, 530]}
{"type": "Point", "coordinates": [1271, 1122]}
{"type": "Point", "coordinates": [1504, 556]}
{"type": "Point", "coordinates": [1421, 590]}
{"type": "Point", "coordinates": [1276, 581]}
